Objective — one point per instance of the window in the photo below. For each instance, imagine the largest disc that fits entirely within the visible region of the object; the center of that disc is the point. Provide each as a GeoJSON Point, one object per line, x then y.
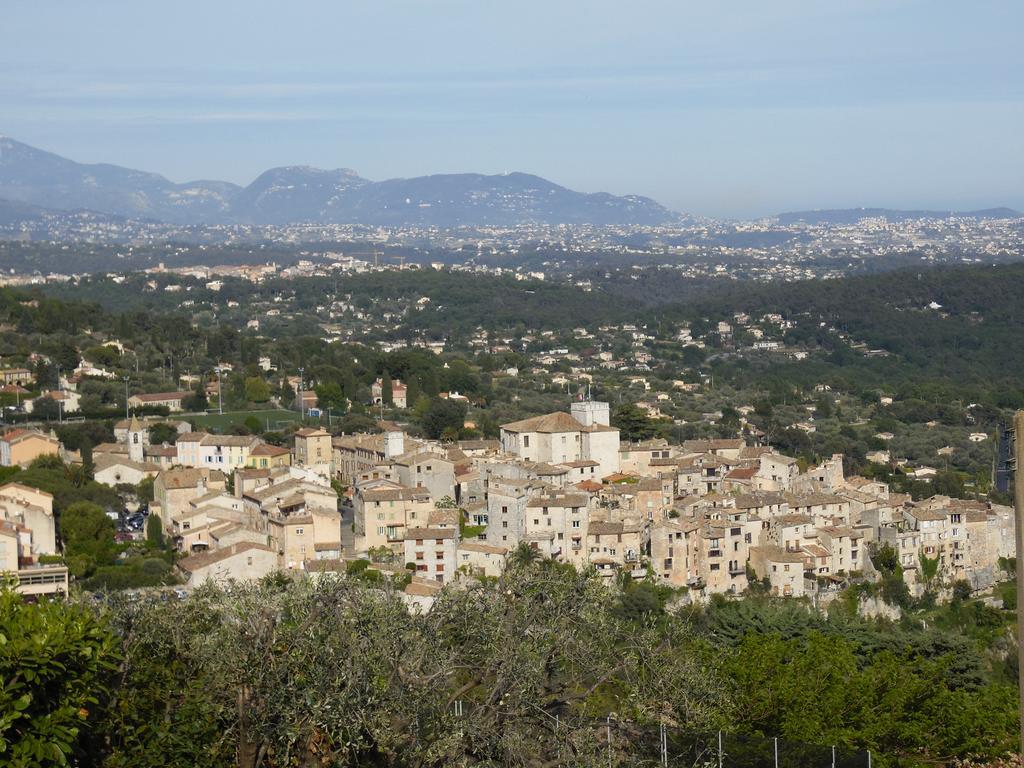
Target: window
{"type": "Point", "coordinates": [248, 561]}
{"type": "Point", "coordinates": [716, 567]}
{"type": "Point", "coordinates": [526, 441]}
{"type": "Point", "coordinates": [439, 567]}
{"type": "Point", "coordinates": [439, 541]}
{"type": "Point", "coordinates": [299, 531]}
{"type": "Point", "coordinates": [419, 555]}
{"type": "Point", "coordinates": [575, 523]}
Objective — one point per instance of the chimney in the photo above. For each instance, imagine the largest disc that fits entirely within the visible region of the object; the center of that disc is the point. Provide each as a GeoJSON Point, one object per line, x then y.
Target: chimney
{"type": "Point", "coordinates": [394, 444]}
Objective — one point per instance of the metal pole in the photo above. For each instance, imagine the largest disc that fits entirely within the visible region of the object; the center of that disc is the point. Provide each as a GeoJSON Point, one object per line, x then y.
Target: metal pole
{"type": "Point", "coordinates": [1018, 525]}
{"type": "Point", "coordinates": [833, 756]}
{"type": "Point", "coordinates": [776, 743]}
{"type": "Point", "coordinates": [719, 749]}
{"type": "Point", "coordinates": [609, 741]}
{"type": "Point", "coordinates": [869, 758]}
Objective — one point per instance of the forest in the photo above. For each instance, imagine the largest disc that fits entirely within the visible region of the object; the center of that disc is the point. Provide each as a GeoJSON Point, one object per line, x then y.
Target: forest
{"type": "Point", "coordinates": [541, 662]}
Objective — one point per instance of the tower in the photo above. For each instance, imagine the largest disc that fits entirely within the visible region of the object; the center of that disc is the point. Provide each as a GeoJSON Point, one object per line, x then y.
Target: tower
{"type": "Point", "coordinates": [136, 440]}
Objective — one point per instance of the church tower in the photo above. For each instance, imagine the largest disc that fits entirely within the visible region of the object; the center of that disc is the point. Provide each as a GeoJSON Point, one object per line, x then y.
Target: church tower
{"type": "Point", "coordinates": [136, 440]}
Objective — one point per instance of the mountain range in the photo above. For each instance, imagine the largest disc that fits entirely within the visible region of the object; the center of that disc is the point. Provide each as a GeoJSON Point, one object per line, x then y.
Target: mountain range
{"type": "Point", "coordinates": [32, 180]}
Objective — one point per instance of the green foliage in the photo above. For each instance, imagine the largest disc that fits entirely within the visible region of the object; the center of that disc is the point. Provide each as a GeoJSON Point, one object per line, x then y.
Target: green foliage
{"type": "Point", "coordinates": [154, 530]}
{"type": "Point", "coordinates": [929, 567]}
{"type": "Point", "coordinates": [144, 490]}
{"type": "Point", "coordinates": [895, 705]}
{"type": "Point", "coordinates": [88, 537]}
{"type": "Point", "coordinates": [961, 590]}
{"type": "Point", "coordinates": [633, 423]}
{"type": "Point", "coordinates": [441, 415]}
{"type": "Point", "coordinates": [56, 665]}
{"type": "Point", "coordinates": [256, 390]}
{"type": "Point", "coordinates": [163, 432]}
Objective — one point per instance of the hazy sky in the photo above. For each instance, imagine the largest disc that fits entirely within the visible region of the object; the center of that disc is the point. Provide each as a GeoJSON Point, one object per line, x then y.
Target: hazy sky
{"type": "Point", "coordinates": [722, 107]}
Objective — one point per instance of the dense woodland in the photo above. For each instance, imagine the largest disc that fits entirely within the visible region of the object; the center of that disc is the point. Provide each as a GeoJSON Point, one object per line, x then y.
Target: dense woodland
{"type": "Point", "coordinates": [338, 672]}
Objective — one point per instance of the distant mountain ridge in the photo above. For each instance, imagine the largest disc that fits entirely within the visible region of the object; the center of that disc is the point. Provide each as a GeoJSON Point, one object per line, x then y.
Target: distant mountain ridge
{"type": "Point", "coordinates": [853, 215]}
{"type": "Point", "coordinates": [294, 194]}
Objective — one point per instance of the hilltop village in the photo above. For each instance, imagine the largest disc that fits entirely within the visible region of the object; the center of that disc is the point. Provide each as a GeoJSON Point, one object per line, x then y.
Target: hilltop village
{"type": "Point", "coordinates": [711, 516]}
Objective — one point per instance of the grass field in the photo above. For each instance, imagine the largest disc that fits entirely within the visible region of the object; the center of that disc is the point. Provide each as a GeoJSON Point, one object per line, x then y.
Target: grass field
{"type": "Point", "coordinates": [219, 422]}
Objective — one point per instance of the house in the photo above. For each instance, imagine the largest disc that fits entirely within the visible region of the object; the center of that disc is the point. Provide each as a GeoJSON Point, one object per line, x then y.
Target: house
{"type": "Point", "coordinates": [67, 400]}
{"type": "Point", "coordinates": [16, 376]}
{"type": "Point", "coordinates": [784, 570]}
{"type": "Point", "coordinates": [426, 469]}
{"type": "Point", "coordinates": [31, 509]}
{"type": "Point", "coordinates": [478, 558]}
{"type": "Point", "coordinates": [169, 400]}
{"type": "Point", "coordinates": [399, 393]}
{"type": "Point", "coordinates": [113, 470]}
{"type": "Point", "coordinates": [266, 456]}
{"type": "Point", "coordinates": [420, 594]}
{"type": "Point", "coordinates": [313, 449]}
{"type": "Point", "coordinates": [432, 551]}
{"type": "Point", "coordinates": [20, 447]}
{"type": "Point", "coordinates": [224, 452]}
{"type": "Point", "coordinates": [557, 438]}
{"type": "Point", "coordinates": [384, 509]}
{"type": "Point", "coordinates": [240, 562]}
{"type": "Point", "coordinates": [27, 532]}
{"type": "Point", "coordinates": [174, 489]}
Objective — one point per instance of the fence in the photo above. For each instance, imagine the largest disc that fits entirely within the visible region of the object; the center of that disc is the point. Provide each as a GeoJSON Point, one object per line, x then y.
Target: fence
{"type": "Point", "coordinates": [647, 746]}
{"type": "Point", "coordinates": [666, 746]}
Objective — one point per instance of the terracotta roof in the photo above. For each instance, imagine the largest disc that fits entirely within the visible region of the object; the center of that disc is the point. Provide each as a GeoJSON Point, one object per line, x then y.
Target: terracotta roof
{"type": "Point", "coordinates": [552, 422]}
{"type": "Point", "coordinates": [775, 554]}
{"type": "Point", "coordinates": [155, 397]}
{"type": "Point", "coordinates": [422, 588]}
{"type": "Point", "coordinates": [559, 500]}
{"type": "Point", "coordinates": [479, 546]}
{"type": "Point", "coordinates": [429, 533]}
{"type": "Point", "coordinates": [193, 563]}
{"type": "Point", "coordinates": [266, 449]}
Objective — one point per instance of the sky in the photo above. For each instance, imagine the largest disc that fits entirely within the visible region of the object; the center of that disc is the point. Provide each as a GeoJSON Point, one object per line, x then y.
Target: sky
{"type": "Point", "coordinates": [732, 108]}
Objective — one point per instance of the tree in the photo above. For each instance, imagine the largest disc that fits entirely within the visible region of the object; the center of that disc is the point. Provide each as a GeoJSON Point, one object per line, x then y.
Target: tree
{"type": "Point", "coordinates": [542, 645]}
{"type": "Point", "coordinates": [256, 390]}
{"type": "Point", "coordinates": [633, 423]}
{"type": "Point", "coordinates": [163, 433]}
{"type": "Point", "coordinates": [443, 415]}
{"type": "Point", "coordinates": [56, 664]}
{"type": "Point", "coordinates": [154, 530]}
{"type": "Point", "coordinates": [386, 390]}
{"type": "Point", "coordinates": [197, 401]}
{"type": "Point", "coordinates": [144, 490]}
{"type": "Point", "coordinates": [330, 395]}
{"type": "Point", "coordinates": [87, 534]}
{"type": "Point", "coordinates": [46, 409]}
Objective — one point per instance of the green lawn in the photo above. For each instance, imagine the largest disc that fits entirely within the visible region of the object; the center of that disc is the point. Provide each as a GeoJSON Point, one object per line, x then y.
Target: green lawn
{"type": "Point", "coordinates": [219, 422]}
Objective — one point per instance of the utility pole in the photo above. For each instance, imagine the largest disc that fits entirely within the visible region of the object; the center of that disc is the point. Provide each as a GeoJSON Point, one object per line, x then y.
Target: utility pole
{"type": "Point", "coordinates": [126, 378]}
{"type": "Point", "coordinates": [220, 394]}
{"type": "Point", "coordinates": [1018, 528]}
{"type": "Point", "coordinates": [299, 398]}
